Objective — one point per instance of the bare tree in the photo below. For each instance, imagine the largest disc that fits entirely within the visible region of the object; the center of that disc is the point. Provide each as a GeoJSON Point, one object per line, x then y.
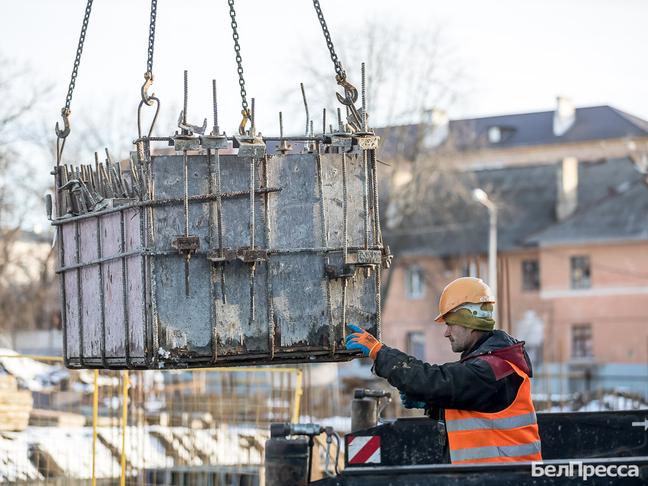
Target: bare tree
{"type": "Point", "coordinates": [413, 78]}
{"type": "Point", "coordinates": [407, 71]}
{"type": "Point", "coordinates": [26, 277]}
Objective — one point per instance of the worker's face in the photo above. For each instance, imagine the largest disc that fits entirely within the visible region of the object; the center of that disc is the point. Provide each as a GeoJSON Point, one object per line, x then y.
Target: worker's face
{"type": "Point", "coordinates": [461, 338]}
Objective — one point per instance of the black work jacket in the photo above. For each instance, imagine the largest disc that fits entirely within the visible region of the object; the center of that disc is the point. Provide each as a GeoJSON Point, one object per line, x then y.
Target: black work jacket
{"type": "Point", "coordinates": [481, 380]}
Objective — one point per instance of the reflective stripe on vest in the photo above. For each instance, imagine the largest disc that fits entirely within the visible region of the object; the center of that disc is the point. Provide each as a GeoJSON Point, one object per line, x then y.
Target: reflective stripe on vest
{"type": "Point", "coordinates": [492, 424]}
{"type": "Point", "coordinates": [495, 451]}
{"type": "Point", "coordinates": [507, 436]}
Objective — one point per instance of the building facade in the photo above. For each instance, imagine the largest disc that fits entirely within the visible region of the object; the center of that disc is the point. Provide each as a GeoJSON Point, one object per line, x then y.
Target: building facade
{"type": "Point", "coordinates": [572, 247]}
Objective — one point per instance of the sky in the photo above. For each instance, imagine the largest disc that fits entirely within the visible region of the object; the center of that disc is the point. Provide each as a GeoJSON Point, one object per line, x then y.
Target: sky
{"type": "Point", "coordinates": [516, 55]}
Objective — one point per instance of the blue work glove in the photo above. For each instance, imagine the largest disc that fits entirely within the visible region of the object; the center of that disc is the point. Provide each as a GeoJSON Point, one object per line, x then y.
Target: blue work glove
{"type": "Point", "coordinates": [411, 403]}
{"type": "Point", "coordinates": [362, 341]}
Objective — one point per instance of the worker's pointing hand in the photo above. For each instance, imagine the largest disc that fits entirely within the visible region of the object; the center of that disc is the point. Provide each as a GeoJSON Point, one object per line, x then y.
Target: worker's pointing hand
{"type": "Point", "coordinates": [363, 341]}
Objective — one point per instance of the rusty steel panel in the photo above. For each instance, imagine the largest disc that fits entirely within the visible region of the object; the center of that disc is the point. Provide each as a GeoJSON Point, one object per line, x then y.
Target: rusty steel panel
{"type": "Point", "coordinates": [147, 284]}
{"type": "Point", "coordinates": [135, 296]}
{"type": "Point", "coordinates": [113, 284]}
{"type": "Point", "coordinates": [68, 245]}
{"type": "Point", "coordinates": [90, 289]}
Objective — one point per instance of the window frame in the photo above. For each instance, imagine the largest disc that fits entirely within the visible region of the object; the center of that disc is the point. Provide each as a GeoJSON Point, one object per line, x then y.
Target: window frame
{"type": "Point", "coordinates": [525, 280]}
{"type": "Point", "coordinates": [584, 281]}
{"type": "Point", "coordinates": [582, 341]}
{"type": "Point", "coordinates": [410, 292]}
{"type": "Point", "coordinates": [415, 339]}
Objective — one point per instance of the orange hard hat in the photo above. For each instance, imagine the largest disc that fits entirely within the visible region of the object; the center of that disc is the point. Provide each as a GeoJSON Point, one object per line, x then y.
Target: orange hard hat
{"type": "Point", "coordinates": [463, 290]}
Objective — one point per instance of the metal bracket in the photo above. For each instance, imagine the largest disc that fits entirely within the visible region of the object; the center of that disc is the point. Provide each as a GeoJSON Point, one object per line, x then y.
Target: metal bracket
{"type": "Point", "coordinates": [334, 272]}
{"type": "Point", "coordinates": [342, 140]}
{"type": "Point", "coordinates": [367, 141]}
{"type": "Point", "coordinates": [245, 255]}
{"type": "Point", "coordinates": [250, 147]}
{"type": "Point", "coordinates": [387, 257]}
{"type": "Point", "coordinates": [284, 147]}
{"type": "Point", "coordinates": [214, 142]}
{"type": "Point", "coordinates": [188, 128]}
{"type": "Point", "coordinates": [366, 258]}
{"type": "Point", "coordinates": [186, 244]}
{"type": "Point", "coordinates": [186, 142]}
{"type": "Point", "coordinates": [336, 267]}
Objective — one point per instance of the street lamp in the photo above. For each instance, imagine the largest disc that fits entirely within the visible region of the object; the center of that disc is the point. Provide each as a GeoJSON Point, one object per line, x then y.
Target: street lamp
{"type": "Point", "coordinates": [480, 196]}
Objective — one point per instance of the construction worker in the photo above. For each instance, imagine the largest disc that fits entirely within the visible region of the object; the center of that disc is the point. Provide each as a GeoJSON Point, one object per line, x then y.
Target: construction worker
{"type": "Point", "coordinates": [484, 399]}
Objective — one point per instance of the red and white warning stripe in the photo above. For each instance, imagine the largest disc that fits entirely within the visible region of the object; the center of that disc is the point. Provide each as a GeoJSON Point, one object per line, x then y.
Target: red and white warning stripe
{"type": "Point", "coordinates": [363, 449]}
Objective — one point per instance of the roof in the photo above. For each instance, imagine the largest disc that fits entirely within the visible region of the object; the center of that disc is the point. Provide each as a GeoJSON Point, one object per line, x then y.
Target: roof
{"type": "Point", "coordinates": [612, 204]}
{"type": "Point", "coordinates": [621, 215]}
{"type": "Point", "coordinates": [522, 129]}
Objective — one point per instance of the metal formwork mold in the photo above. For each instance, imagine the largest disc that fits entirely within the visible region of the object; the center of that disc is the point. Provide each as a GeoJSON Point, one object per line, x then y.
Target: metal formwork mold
{"type": "Point", "coordinates": [237, 260]}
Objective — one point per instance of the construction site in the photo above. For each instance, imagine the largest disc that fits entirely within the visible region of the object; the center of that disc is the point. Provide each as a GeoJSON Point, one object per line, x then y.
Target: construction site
{"type": "Point", "coordinates": [236, 278]}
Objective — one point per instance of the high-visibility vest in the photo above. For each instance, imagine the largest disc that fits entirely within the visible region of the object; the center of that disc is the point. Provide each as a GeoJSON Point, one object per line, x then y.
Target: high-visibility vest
{"type": "Point", "coordinates": [510, 435]}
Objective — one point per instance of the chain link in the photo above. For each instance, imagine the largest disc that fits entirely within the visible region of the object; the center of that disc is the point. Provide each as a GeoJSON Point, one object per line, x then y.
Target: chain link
{"type": "Point", "coordinates": [77, 59]}
{"type": "Point", "coordinates": [239, 60]}
{"type": "Point", "coordinates": [329, 43]}
{"type": "Point", "coordinates": [151, 40]}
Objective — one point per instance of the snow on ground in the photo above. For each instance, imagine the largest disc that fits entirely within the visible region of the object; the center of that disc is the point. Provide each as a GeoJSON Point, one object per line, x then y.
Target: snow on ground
{"type": "Point", "coordinates": [607, 402]}
{"type": "Point", "coordinates": [613, 402]}
{"type": "Point", "coordinates": [142, 449]}
{"type": "Point", "coordinates": [39, 376]}
{"type": "Point", "coordinates": [30, 373]}
{"type": "Point", "coordinates": [71, 449]}
{"type": "Point", "coordinates": [342, 425]}
{"type": "Point", "coordinates": [230, 449]}
{"type": "Point", "coordinates": [14, 459]}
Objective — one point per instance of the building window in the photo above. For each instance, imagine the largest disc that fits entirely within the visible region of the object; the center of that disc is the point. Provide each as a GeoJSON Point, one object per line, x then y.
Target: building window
{"type": "Point", "coordinates": [580, 272]}
{"type": "Point", "coordinates": [582, 341]}
{"type": "Point", "coordinates": [415, 282]}
{"type": "Point", "coordinates": [416, 345]}
{"type": "Point", "coordinates": [530, 275]}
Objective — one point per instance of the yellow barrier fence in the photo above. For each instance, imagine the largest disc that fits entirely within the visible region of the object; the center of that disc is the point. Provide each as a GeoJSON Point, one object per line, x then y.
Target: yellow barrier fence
{"type": "Point", "coordinates": [60, 426]}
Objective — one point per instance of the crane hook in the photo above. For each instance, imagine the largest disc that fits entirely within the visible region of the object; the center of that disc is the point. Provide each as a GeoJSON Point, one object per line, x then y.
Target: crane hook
{"type": "Point", "coordinates": [244, 121]}
{"type": "Point", "coordinates": [148, 81]}
{"type": "Point", "coordinates": [65, 114]}
{"type": "Point", "coordinates": [348, 100]}
{"type": "Point", "coordinates": [350, 91]}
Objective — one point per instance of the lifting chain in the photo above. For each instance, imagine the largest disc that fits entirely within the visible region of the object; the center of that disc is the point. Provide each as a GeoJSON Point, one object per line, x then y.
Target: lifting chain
{"type": "Point", "coordinates": [151, 44]}
{"type": "Point", "coordinates": [239, 63]}
{"type": "Point", "coordinates": [340, 74]}
{"type": "Point", "coordinates": [148, 75]}
{"type": "Point", "coordinates": [147, 99]}
{"type": "Point", "coordinates": [350, 91]}
{"type": "Point", "coordinates": [65, 111]}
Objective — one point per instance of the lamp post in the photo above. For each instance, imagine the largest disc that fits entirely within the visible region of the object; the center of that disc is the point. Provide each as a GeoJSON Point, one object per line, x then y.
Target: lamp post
{"type": "Point", "coordinates": [480, 196]}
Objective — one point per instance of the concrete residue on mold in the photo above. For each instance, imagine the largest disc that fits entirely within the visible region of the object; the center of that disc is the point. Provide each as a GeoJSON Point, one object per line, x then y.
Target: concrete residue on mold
{"type": "Point", "coordinates": [229, 320]}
